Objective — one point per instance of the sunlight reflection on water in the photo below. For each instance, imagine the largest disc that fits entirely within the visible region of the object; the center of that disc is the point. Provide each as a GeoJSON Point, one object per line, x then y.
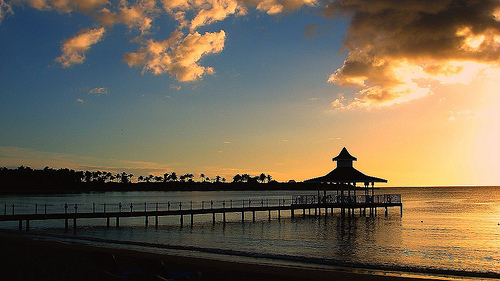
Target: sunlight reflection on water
{"type": "Point", "coordinates": [441, 228]}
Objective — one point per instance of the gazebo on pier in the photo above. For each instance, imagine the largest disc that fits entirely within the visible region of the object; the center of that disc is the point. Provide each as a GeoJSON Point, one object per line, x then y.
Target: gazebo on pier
{"type": "Point", "coordinates": [346, 176]}
{"type": "Point", "coordinates": [344, 179]}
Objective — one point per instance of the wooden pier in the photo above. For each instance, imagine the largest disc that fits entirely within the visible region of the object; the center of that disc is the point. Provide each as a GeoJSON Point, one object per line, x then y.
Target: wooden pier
{"type": "Point", "coordinates": [366, 204]}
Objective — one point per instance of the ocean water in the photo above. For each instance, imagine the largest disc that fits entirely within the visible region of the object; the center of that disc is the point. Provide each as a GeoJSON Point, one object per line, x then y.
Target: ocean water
{"type": "Point", "coordinates": [442, 229]}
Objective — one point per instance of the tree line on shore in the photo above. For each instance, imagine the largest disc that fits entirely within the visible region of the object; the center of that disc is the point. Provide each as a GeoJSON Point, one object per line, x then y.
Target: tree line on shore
{"type": "Point", "coordinates": [24, 178]}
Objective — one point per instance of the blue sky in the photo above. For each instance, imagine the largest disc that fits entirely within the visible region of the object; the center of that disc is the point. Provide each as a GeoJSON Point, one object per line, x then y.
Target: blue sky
{"type": "Point", "coordinates": [283, 88]}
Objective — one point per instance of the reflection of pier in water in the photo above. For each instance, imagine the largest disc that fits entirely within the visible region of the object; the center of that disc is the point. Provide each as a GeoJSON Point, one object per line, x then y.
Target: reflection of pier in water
{"type": "Point", "coordinates": [314, 205]}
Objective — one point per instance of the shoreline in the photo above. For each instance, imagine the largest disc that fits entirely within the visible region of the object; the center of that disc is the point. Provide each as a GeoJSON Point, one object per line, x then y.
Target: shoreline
{"type": "Point", "coordinates": [26, 257]}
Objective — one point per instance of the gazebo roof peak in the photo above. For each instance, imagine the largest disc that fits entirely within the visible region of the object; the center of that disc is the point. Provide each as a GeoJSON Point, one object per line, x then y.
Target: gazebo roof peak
{"type": "Point", "coordinates": [344, 155]}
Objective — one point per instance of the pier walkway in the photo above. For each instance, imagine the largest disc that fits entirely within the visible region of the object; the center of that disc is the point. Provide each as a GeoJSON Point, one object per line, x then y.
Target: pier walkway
{"type": "Point", "coordinates": [320, 204]}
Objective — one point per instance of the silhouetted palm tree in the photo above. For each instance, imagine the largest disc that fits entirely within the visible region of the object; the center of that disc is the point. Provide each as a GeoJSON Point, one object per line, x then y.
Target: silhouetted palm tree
{"type": "Point", "coordinates": [269, 178]}
{"type": "Point", "coordinates": [124, 177]}
{"type": "Point", "coordinates": [202, 177]}
{"type": "Point", "coordinates": [245, 177]}
{"type": "Point", "coordinates": [188, 177]}
{"type": "Point", "coordinates": [88, 176]}
{"type": "Point", "coordinates": [237, 178]}
{"type": "Point", "coordinates": [262, 178]}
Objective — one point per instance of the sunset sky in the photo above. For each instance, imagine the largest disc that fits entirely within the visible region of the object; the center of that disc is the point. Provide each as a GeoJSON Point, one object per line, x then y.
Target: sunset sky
{"type": "Point", "coordinates": [220, 87]}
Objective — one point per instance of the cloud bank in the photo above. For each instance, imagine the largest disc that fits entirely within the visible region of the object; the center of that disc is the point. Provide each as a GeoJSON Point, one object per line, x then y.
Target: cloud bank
{"type": "Point", "coordinates": [397, 48]}
{"type": "Point", "coordinates": [180, 53]}
{"type": "Point", "coordinates": [12, 157]}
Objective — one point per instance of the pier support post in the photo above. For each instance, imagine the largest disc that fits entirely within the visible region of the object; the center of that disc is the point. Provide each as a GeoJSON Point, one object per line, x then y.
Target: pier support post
{"type": "Point", "coordinates": [292, 212]}
{"type": "Point", "coordinates": [156, 216]}
{"type": "Point", "coordinates": [224, 212]}
{"type": "Point", "coordinates": [20, 225]}
{"type": "Point", "coordinates": [27, 225]}
{"type": "Point", "coordinates": [146, 222]}
{"type": "Point", "coordinates": [74, 219]}
{"type": "Point", "coordinates": [386, 212]}
{"type": "Point", "coordinates": [66, 224]}
{"type": "Point", "coordinates": [117, 222]}
{"type": "Point", "coordinates": [180, 212]}
{"type": "Point", "coordinates": [107, 222]}
{"type": "Point", "coordinates": [253, 216]}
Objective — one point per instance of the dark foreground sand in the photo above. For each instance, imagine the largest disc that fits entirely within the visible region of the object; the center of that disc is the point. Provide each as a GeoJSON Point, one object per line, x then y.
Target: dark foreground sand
{"type": "Point", "coordinates": [23, 258]}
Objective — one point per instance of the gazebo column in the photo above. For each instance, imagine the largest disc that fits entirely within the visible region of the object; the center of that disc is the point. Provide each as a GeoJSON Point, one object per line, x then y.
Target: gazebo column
{"type": "Point", "coordinates": [373, 199]}
{"type": "Point", "coordinates": [342, 199]}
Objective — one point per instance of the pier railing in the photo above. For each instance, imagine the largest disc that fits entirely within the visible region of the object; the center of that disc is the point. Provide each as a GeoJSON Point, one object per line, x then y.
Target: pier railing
{"type": "Point", "coordinates": [93, 207]}
{"type": "Point", "coordinates": [67, 208]}
{"type": "Point", "coordinates": [346, 199]}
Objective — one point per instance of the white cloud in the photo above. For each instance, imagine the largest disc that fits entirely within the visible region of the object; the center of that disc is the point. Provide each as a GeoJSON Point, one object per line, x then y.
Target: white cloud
{"type": "Point", "coordinates": [140, 15]}
{"type": "Point", "coordinates": [98, 91]}
{"type": "Point", "coordinates": [74, 49]}
{"type": "Point", "coordinates": [5, 9]}
{"type": "Point", "coordinates": [463, 114]}
{"type": "Point", "coordinates": [66, 6]}
{"type": "Point", "coordinates": [178, 55]}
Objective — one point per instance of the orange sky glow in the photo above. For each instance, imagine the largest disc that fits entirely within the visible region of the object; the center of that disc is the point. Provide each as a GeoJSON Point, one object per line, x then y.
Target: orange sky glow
{"type": "Point", "coordinates": [410, 88]}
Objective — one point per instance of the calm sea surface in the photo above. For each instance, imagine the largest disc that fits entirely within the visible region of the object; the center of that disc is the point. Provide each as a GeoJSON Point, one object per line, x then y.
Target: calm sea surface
{"type": "Point", "coordinates": [450, 228]}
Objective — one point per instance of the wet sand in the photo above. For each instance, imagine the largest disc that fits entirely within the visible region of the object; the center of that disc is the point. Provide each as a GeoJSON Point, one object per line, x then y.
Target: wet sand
{"type": "Point", "coordinates": [24, 258]}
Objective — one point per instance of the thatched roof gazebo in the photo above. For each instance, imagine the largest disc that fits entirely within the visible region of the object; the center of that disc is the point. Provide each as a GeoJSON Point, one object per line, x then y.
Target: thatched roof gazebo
{"type": "Point", "coordinates": [346, 176]}
{"type": "Point", "coordinates": [345, 173]}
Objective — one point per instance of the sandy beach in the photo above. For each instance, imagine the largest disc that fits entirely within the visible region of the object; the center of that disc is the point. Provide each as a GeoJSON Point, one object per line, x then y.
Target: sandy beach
{"type": "Point", "coordinates": [25, 258]}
